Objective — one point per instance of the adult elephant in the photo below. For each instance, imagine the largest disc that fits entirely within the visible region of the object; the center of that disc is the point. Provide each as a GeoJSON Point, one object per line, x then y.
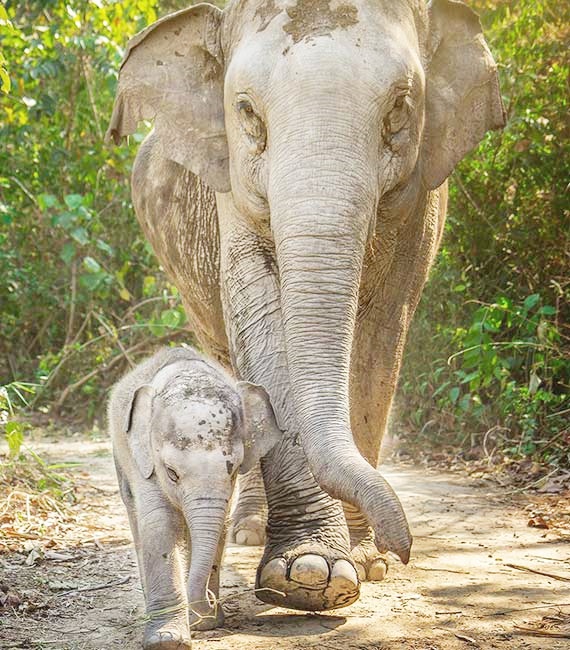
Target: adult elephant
{"type": "Point", "coordinates": [294, 189]}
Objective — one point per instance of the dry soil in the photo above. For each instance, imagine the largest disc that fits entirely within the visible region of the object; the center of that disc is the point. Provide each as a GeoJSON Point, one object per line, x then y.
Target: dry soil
{"type": "Point", "coordinates": [458, 592]}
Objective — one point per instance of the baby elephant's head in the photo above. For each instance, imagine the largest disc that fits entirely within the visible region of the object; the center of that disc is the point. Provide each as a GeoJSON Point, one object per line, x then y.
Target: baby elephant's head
{"type": "Point", "coordinates": [196, 432]}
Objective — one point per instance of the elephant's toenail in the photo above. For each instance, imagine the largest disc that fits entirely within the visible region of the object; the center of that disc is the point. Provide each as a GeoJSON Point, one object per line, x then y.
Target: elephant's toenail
{"type": "Point", "coordinates": [310, 570]}
{"type": "Point", "coordinates": [273, 573]}
{"type": "Point", "coordinates": [361, 571]}
{"type": "Point", "coordinates": [344, 570]}
{"type": "Point", "coordinates": [377, 570]}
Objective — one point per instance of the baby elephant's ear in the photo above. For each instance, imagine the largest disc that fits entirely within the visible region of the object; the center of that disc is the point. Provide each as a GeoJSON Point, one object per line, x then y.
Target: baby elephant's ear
{"type": "Point", "coordinates": [260, 430]}
{"type": "Point", "coordinates": [137, 426]}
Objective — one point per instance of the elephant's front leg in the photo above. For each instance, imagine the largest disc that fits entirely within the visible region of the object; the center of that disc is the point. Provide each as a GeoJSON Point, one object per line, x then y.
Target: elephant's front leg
{"type": "Point", "coordinates": [249, 517]}
{"type": "Point", "coordinates": [306, 564]}
{"type": "Point", "coordinates": [161, 548]}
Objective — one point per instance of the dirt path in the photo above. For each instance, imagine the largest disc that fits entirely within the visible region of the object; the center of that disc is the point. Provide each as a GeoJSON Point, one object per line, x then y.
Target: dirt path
{"type": "Point", "coordinates": [456, 593]}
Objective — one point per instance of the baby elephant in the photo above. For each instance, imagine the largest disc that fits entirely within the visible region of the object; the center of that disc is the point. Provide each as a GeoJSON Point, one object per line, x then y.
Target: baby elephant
{"type": "Point", "coordinates": [181, 430]}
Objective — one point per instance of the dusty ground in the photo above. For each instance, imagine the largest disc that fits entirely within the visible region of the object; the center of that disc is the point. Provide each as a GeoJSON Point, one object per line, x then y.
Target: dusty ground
{"type": "Point", "coordinates": [457, 592]}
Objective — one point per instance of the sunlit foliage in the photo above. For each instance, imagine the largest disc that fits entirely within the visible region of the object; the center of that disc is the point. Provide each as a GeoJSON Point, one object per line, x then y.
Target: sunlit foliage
{"type": "Point", "coordinates": [81, 293]}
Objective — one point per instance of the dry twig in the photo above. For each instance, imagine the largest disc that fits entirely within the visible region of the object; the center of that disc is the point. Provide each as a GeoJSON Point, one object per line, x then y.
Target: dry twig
{"type": "Point", "coordinates": [554, 576]}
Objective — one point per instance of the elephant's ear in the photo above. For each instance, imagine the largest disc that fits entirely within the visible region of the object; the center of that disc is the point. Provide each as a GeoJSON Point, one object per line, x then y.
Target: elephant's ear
{"type": "Point", "coordinates": [173, 73]}
{"type": "Point", "coordinates": [260, 430]}
{"type": "Point", "coordinates": [137, 426]}
{"type": "Point", "coordinates": [463, 100]}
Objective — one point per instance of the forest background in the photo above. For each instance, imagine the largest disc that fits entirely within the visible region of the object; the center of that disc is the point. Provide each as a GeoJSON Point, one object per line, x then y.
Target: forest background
{"type": "Point", "coordinates": [487, 367]}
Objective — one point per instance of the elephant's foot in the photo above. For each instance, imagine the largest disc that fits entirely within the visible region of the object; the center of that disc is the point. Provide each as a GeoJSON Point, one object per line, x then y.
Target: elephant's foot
{"type": "Point", "coordinates": [314, 574]}
{"type": "Point", "coordinates": [167, 632]}
{"type": "Point", "coordinates": [205, 619]}
{"type": "Point", "coordinates": [249, 519]}
{"type": "Point", "coordinates": [249, 530]}
{"type": "Point", "coordinates": [370, 563]}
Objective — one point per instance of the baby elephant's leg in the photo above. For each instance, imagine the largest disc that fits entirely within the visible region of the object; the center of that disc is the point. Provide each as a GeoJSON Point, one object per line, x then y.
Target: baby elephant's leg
{"type": "Point", "coordinates": [161, 537]}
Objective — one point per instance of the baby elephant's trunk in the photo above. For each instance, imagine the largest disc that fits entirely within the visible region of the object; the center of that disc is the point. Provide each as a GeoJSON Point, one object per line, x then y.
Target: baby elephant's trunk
{"type": "Point", "coordinates": [205, 517]}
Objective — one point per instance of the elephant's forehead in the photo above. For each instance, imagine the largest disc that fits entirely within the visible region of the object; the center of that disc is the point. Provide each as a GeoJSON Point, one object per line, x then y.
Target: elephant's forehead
{"type": "Point", "coordinates": [302, 20]}
{"type": "Point", "coordinates": [306, 18]}
{"type": "Point", "coordinates": [199, 423]}
{"type": "Point", "coordinates": [355, 43]}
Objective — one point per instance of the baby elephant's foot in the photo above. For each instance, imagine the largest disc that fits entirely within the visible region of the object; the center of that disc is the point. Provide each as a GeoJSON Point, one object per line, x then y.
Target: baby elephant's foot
{"type": "Point", "coordinates": [206, 619]}
{"type": "Point", "coordinates": [167, 633]}
{"type": "Point", "coordinates": [249, 531]}
{"type": "Point", "coordinates": [371, 565]}
{"type": "Point", "coordinates": [310, 578]}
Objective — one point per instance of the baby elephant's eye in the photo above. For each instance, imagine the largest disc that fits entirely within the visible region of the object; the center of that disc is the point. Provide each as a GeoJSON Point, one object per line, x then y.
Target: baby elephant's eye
{"type": "Point", "coordinates": [245, 107]}
{"type": "Point", "coordinates": [172, 475]}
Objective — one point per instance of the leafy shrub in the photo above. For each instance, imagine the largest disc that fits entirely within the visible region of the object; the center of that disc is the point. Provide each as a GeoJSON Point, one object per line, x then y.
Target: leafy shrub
{"type": "Point", "coordinates": [82, 294]}
{"type": "Point", "coordinates": [489, 347]}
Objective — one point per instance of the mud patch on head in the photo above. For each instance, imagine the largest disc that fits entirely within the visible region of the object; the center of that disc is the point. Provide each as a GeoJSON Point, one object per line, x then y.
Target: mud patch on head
{"type": "Point", "coordinates": [266, 13]}
{"type": "Point", "coordinates": [310, 18]}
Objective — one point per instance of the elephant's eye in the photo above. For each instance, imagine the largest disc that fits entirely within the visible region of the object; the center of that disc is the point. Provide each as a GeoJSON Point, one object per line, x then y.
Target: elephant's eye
{"type": "Point", "coordinates": [398, 117]}
{"type": "Point", "coordinates": [252, 125]}
{"type": "Point", "coordinates": [172, 475]}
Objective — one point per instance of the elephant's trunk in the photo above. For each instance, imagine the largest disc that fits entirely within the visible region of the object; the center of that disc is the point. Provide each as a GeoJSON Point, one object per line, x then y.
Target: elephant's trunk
{"type": "Point", "coordinates": [205, 517]}
{"type": "Point", "coordinates": [321, 213]}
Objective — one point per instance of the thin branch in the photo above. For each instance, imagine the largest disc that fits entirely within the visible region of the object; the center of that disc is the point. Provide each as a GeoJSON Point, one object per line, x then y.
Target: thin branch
{"type": "Point", "coordinates": [98, 587]}
{"type": "Point", "coordinates": [110, 364]}
{"type": "Point", "coordinates": [545, 633]}
{"type": "Point", "coordinates": [115, 336]}
{"type": "Point", "coordinates": [525, 609]}
{"type": "Point", "coordinates": [71, 316]}
{"type": "Point", "coordinates": [66, 356]}
{"type": "Point", "coordinates": [471, 200]}
{"type": "Point", "coordinates": [554, 576]}
{"type": "Point", "coordinates": [131, 310]}
{"type": "Point", "coordinates": [87, 74]}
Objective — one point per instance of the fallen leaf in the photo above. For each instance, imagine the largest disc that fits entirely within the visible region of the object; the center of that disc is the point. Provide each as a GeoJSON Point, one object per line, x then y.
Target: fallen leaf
{"type": "Point", "coordinates": [537, 522]}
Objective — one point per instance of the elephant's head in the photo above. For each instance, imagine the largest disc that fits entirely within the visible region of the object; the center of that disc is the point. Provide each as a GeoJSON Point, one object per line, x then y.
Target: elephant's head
{"type": "Point", "coordinates": [317, 116]}
{"type": "Point", "coordinates": [193, 442]}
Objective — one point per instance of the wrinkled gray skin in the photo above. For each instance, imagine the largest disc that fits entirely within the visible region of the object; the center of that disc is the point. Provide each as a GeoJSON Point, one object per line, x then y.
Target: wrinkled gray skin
{"type": "Point", "coordinates": [294, 188]}
{"type": "Point", "coordinates": [181, 431]}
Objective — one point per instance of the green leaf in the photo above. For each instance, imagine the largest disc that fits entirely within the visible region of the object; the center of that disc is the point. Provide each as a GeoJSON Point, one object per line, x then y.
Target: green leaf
{"type": "Point", "coordinates": [14, 437]}
{"type": "Point", "coordinates": [73, 201]}
{"type": "Point", "coordinates": [531, 301]}
{"type": "Point", "coordinates": [149, 285]}
{"type": "Point", "coordinates": [547, 310]}
{"type": "Point", "coordinates": [467, 378]}
{"type": "Point", "coordinates": [47, 201]}
{"type": "Point", "coordinates": [454, 394]}
{"type": "Point", "coordinates": [6, 84]}
{"type": "Point", "coordinates": [65, 220]}
{"type": "Point", "coordinates": [91, 264]}
{"type": "Point", "coordinates": [156, 329]}
{"type": "Point", "coordinates": [67, 252]}
{"type": "Point", "coordinates": [80, 235]}
{"type": "Point", "coordinates": [92, 281]}
{"type": "Point", "coordinates": [464, 402]}
{"type": "Point", "coordinates": [171, 318]}
{"type": "Point", "coordinates": [103, 246]}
